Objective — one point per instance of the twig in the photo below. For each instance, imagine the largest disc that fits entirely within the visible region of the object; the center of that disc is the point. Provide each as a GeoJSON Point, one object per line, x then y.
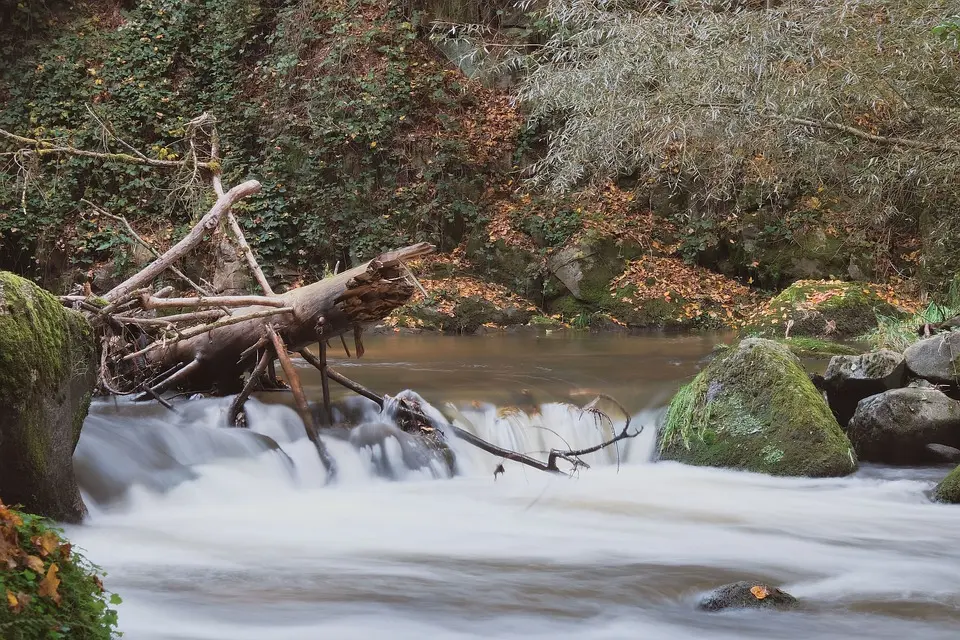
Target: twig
{"type": "Point", "coordinates": [237, 405]}
{"type": "Point", "coordinates": [145, 244]}
{"type": "Point", "coordinates": [206, 223]}
{"type": "Point", "coordinates": [43, 148]}
{"type": "Point", "coordinates": [248, 254]}
{"type": "Point", "coordinates": [293, 379]}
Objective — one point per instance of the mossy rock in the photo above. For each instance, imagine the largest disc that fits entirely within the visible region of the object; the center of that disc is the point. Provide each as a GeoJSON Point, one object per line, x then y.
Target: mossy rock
{"type": "Point", "coordinates": [816, 348]}
{"type": "Point", "coordinates": [949, 489]}
{"type": "Point", "coordinates": [754, 408]}
{"type": "Point", "coordinates": [48, 590]}
{"type": "Point", "coordinates": [823, 309]}
{"type": "Point", "coordinates": [586, 266]}
{"type": "Point", "coordinates": [48, 365]}
{"type": "Point", "coordinates": [516, 268]}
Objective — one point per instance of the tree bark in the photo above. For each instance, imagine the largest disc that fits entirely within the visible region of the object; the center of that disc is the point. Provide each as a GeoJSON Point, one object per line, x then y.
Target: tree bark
{"type": "Point", "coordinates": [320, 311]}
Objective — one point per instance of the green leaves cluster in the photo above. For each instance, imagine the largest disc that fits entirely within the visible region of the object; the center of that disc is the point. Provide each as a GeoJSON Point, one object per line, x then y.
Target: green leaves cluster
{"type": "Point", "coordinates": [348, 119]}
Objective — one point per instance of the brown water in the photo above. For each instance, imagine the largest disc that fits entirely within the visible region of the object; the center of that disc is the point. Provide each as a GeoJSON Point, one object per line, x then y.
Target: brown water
{"type": "Point", "coordinates": [210, 534]}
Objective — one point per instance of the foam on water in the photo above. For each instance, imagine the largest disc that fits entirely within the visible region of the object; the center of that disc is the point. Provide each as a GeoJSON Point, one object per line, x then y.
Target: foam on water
{"type": "Point", "coordinates": [238, 543]}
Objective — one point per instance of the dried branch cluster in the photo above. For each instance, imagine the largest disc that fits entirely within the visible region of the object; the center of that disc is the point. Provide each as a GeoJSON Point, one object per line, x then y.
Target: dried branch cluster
{"type": "Point", "coordinates": [210, 342]}
{"type": "Point", "coordinates": [719, 96]}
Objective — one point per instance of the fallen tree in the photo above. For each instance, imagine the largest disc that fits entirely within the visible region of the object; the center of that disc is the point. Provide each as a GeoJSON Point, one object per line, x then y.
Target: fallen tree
{"type": "Point", "coordinates": [153, 342]}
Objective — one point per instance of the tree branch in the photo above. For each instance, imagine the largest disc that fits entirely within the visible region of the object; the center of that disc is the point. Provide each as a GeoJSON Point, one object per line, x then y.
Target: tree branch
{"type": "Point", "coordinates": [43, 148]}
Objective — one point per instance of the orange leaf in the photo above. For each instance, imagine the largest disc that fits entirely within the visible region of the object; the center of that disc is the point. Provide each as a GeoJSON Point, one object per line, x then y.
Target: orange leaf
{"type": "Point", "coordinates": [17, 602]}
{"type": "Point", "coordinates": [759, 591]}
{"type": "Point", "coordinates": [46, 543]}
{"type": "Point", "coordinates": [48, 586]}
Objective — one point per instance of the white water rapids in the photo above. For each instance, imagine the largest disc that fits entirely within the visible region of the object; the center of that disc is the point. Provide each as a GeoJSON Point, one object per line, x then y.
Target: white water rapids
{"type": "Point", "coordinates": [211, 534]}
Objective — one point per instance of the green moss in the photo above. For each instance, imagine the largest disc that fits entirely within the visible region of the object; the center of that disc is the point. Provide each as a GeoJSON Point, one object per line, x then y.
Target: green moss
{"type": "Point", "coordinates": [831, 308]}
{"type": "Point", "coordinates": [83, 612]}
{"type": "Point", "coordinates": [754, 408]}
{"type": "Point", "coordinates": [40, 343]}
{"type": "Point", "coordinates": [949, 489]}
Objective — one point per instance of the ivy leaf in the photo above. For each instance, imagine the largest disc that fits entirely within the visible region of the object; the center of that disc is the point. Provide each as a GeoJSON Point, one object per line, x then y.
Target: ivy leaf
{"type": "Point", "coordinates": [49, 585]}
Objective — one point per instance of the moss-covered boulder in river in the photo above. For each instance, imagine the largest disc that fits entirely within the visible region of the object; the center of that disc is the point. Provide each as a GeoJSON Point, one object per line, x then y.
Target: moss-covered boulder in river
{"type": "Point", "coordinates": [824, 308]}
{"type": "Point", "coordinates": [48, 590]}
{"type": "Point", "coordinates": [949, 488]}
{"type": "Point", "coordinates": [48, 369]}
{"type": "Point", "coordinates": [754, 408]}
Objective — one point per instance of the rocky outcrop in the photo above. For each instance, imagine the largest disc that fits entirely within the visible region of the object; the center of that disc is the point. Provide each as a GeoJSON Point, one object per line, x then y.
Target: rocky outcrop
{"type": "Point", "coordinates": [48, 368]}
{"type": "Point", "coordinates": [896, 426]}
{"type": "Point", "coordinates": [936, 359]}
{"type": "Point", "coordinates": [754, 408]}
{"type": "Point", "coordinates": [586, 266]}
{"type": "Point", "coordinates": [850, 379]}
{"type": "Point", "coordinates": [949, 489]}
{"type": "Point", "coordinates": [747, 595]}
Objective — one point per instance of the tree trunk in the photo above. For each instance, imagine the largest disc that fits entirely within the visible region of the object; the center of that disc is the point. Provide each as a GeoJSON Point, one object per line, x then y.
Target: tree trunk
{"type": "Point", "coordinates": [322, 310]}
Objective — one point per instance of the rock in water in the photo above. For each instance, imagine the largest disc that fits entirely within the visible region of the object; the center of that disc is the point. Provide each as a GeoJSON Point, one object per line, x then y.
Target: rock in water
{"type": "Point", "coordinates": [949, 489]}
{"type": "Point", "coordinates": [943, 453]}
{"type": "Point", "coordinates": [936, 359]}
{"type": "Point", "coordinates": [896, 426]}
{"type": "Point", "coordinates": [754, 408]}
{"type": "Point", "coordinates": [48, 367]}
{"type": "Point", "coordinates": [850, 379]}
{"type": "Point", "coordinates": [747, 595]}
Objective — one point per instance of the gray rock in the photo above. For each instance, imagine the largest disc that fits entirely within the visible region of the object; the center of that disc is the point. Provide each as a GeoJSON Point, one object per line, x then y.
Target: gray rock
{"type": "Point", "coordinates": [747, 595]}
{"type": "Point", "coordinates": [850, 379]}
{"type": "Point", "coordinates": [936, 359]}
{"type": "Point", "coordinates": [944, 453]}
{"type": "Point", "coordinates": [48, 367]}
{"type": "Point", "coordinates": [896, 426]}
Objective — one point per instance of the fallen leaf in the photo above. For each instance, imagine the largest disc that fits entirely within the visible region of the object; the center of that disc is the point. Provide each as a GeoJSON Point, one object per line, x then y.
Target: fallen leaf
{"type": "Point", "coordinates": [759, 591]}
{"type": "Point", "coordinates": [46, 542]}
{"type": "Point", "coordinates": [17, 602]}
{"type": "Point", "coordinates": [34, 564]}
{"type": "Point", "coordinates": [48, 586]}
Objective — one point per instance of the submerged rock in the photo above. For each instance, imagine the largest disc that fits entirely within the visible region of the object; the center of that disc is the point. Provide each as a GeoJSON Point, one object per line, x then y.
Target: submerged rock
{"type": "Point", "coordinates": [850, 379]}
{"type": "Point", "coordinates": [936, 359]}
{"type": "Point", "coordinates": [48, 366]}
{"type": "Point", "coordinates": [754, 408]}
{"type": "Point", "coordinates": [896, 427]}
{"type": "Point", "coordinates": [416, 452]}
{"type": "Point", "coordinates": [747, 595]}
{"type": "Point", "coordinates": [949, 489]}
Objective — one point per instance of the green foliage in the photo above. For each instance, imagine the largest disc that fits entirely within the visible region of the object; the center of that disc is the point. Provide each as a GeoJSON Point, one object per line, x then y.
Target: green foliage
{"type": "Point", "coordinates": [350, 122]}
{"type": "Point", "coordinates": [898, 332]}
{"type": "Point", "coordinates": [48, 589]}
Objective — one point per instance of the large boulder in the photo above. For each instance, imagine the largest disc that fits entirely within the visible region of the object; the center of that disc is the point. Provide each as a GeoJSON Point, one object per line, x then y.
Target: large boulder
{"type": "Point", "coordinates": [824, 308]}
{"type": "Point", "coordinates": [896, 426]}
{"type": "Point", "coordinates": [850, 379]}
{"type": "Point", "coordinates": [747, 595]}
{"type": "Point", "coordinates": [588, 263]}
{"type": "Point", "coordinates": [936, 359]}
{"type": "Point", "coordinates": [949, 489]}
{"type": "Point", "coordinates": [754, 408]}
{"type": "Point", "coordinates": [48, 367]}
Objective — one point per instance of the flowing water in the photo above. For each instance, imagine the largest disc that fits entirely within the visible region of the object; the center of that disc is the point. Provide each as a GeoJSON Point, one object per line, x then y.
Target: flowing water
{"type": "Point", "coordinates": [230, 534]}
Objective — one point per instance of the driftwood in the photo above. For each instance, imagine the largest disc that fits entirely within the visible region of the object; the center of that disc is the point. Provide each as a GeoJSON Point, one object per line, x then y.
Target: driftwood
{"type": "Point", "coordinates": [212, 342]}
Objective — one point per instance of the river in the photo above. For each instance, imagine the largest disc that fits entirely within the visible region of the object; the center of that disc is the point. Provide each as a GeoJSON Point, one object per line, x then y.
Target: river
{"type": "Point", "coordinates": [210, 534]}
